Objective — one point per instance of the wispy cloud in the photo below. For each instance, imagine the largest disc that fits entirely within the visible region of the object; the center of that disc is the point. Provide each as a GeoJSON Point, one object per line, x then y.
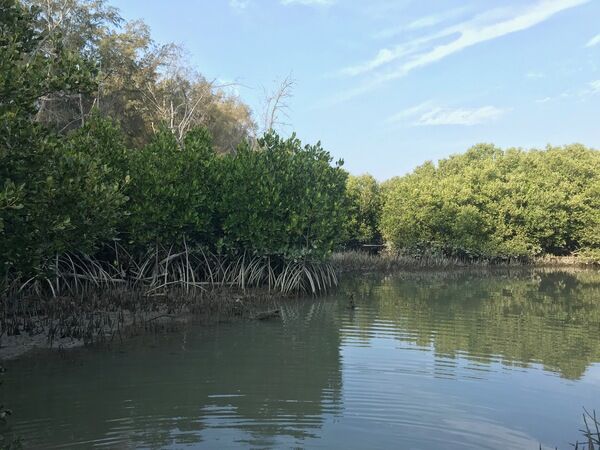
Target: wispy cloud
{"type": "Point", "coordinates": [427, 114]}
{"type": "Point", "coordinates": [581, 93]}
{"type": "Point", "coordinates": [308, 2]}
{"type": "Point", "coordinates": [421, 23]}
{"type": "Point", "coordinates": [410, 113]}
{"type": "Point", "coordinates": [239, 5]}
{"type": "Point", "coordinates": [384, 56]}
{"type": "Point", "coordinates": [434, 47]}
{"type": "Point", "coordinates": [593, 41]}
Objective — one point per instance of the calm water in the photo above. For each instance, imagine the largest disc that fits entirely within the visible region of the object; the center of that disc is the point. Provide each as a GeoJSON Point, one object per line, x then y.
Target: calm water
{"type": "Point", "coordinates": [497, 360]}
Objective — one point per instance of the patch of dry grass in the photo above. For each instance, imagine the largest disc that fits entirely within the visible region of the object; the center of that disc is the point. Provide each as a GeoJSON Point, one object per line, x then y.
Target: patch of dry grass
{"type": "Point", "coordinates": [358, 261]}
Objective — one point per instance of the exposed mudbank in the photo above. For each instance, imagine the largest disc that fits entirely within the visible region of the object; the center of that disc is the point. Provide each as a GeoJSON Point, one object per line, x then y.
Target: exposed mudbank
{"type": "Point", "coordinates": [67, 323]}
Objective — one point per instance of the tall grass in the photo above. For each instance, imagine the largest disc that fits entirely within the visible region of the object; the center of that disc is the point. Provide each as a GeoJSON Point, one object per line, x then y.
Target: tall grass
{"type": "Point", "coordinates": [351, 261]}
{"type": "Point", "coordinates": [386, 261]}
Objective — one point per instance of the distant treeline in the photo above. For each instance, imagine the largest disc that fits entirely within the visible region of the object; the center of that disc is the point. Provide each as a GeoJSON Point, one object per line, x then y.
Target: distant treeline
{"type": "Point", "coordinates": [490, 203]}
{"type": "Point", "coordinates": [101, 144]}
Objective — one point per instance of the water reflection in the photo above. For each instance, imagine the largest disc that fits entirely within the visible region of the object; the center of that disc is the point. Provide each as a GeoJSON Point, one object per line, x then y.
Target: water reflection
{"type": "Point", "coordinates": [516, 317]}
{"type": "Point", "coordinates": [236, 379]}
{"type": "Point", "coordinates": [448, 360]}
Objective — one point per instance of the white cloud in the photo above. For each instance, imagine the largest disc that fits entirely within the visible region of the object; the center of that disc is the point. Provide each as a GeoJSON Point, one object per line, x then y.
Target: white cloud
{"type": "Point", "coordinates": [595, 86]}
{"type": "Point", "coordinates": [460, 116]}
{"type": "Point", "coordinates": [425, 50]}
{"type": "Point", "coordinates": [420, 23]}
{"type": "Point", "coordinates": [239, 5]}
{"type": "Point", "coordinates": [387, 55]}
{"type": "Point", "coordinates": [426, 114]}
{"type": "Point", "coordinates": [411, 112]}
{"type": "Point", "coordinates": [593, 41]}
{"type": "Point", "coordinates": [307, 2]}
{"type": "Point", "coordinates": [384, 56]}
{"type": "Point", "coordinates": [425, 22]}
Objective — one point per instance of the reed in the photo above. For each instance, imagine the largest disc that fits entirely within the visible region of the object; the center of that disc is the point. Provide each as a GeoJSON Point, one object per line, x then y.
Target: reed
{"type": "Point", "coordinates": [387, 261]}
{"type": "Point", "coordinates": [590, 432]}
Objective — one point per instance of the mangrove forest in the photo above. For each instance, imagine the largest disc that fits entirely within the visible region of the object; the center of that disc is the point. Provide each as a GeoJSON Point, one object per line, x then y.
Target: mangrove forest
{"type": "Point", "coordinates": [260, 294]}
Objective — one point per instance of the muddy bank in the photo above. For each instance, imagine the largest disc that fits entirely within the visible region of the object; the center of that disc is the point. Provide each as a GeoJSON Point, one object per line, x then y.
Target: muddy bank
{"type": "Point", "coordinates": [16, 345]}
{"type": "Point", "coordinates": [66, 323]}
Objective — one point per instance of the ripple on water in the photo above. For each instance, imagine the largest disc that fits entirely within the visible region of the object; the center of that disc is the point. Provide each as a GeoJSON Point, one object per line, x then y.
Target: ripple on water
{"type": "Point", "coordinates": [429, 361]}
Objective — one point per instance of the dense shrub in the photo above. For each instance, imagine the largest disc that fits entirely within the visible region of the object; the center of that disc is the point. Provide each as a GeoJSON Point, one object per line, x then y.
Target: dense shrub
{"type": "Point", "coordinates": [493, 203]}
{"type": "Point", "coordinates": [282, 199]}
{"type": "Point", "coordinates": [364, 215]}
{"type": "Point", "coordinates": [57, 198]}
{"type": "Point", "coordinates": [171, 191]}
{"type": "Point", "coordinates": [55, 195]}
{"type": "Point", "coordinates": [80, 191]}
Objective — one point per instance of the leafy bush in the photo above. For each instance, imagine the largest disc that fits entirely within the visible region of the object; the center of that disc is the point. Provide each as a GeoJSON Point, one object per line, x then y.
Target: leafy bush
{"type": "Point", "coordinates": [282, 199]}
{"type": "Point", "coordinates": [364, 215]}
{"type": "Point", "coordinates": [171, 191]}
{"type": "Point", "coordinates": [56, 196]}
{"type": "Point", "coordinates": [61, 194]}
{"type": "Point", "coordinates": [493, 203]}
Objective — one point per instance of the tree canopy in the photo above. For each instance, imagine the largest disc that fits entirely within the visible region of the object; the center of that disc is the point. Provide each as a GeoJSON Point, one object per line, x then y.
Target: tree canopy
{"type": "Point", "coordinates": [141, 84]}
{"type": "Point", "coordinates": [490, 202]}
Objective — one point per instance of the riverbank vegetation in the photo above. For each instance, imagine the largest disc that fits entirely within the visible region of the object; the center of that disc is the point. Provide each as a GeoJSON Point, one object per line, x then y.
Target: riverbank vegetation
{"type": "Point", "coordinates": [88, 206]}
{"type": "Point", "coordinates": [493, 203]}
{"type": "Point", "coordinates": [120, 165]}
{"type": "Point", "coordinates": [486, 206]}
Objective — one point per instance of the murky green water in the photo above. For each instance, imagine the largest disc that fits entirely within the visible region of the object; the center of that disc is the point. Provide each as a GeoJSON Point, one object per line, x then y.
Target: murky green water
{"type": "Point", "coordinates": [497, 360]}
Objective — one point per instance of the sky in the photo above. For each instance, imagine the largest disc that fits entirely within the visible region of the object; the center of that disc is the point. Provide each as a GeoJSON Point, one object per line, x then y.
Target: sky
{"type": "Point", "coordinates": [389, 84]}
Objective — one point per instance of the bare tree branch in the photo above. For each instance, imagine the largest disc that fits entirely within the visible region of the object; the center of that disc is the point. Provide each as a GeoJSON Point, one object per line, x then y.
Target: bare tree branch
{"type": "Point", "coordinates": [276, 104]}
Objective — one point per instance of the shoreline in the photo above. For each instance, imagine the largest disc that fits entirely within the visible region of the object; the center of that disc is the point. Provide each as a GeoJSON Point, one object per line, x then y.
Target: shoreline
{"type": "Point", "coordinates": [123, 323]}
{"type": "Point", "coordinates": [359, 261]}
{"type": "Point", "coordinates": [176, 309]}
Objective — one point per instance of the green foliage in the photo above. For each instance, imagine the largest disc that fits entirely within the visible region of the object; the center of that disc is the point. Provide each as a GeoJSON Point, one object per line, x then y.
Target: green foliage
{"type": "Point", "coordinates": [273, 198]}
{"type": "Point", "coordinates": [62, 193]}
{"type": "Point", "coordinates": [171, 191]}
{"type": "Point", "coordinates": [77, 192]}
{"type": "Point", "coordinates": [493, 203]}
{"type": "Point", "coordinates": [365, 203]}
{"type": "Point", "coordinates": [56, 196]}
{"type": "Point", "coordinates": [282, 199]}
{"type": "Point", "coordinates": [26, 73]}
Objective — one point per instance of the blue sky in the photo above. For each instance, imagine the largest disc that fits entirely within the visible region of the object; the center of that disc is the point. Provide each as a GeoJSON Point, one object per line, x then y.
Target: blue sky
{"type": "Point", "coordinates": [389, 84]}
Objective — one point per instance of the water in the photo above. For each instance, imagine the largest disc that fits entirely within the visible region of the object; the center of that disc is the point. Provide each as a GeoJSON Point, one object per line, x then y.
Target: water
{"type": "Point", "coordinates": [454, 360]}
